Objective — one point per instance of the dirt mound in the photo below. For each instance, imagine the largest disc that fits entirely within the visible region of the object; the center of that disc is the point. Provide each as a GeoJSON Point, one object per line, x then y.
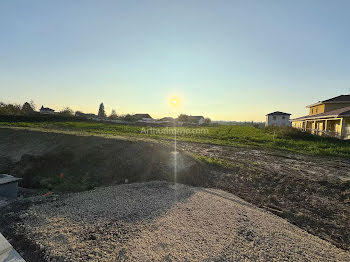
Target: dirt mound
{"type": "Point", "coordinates": [64, 162]}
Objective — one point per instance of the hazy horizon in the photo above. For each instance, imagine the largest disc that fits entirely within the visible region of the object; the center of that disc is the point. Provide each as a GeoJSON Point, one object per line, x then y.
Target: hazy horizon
{"type": "Point", "coordinates": [227, 60]}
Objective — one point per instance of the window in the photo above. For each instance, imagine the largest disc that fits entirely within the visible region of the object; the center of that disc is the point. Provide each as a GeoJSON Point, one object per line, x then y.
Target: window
{"type": "Point", "coordinates": [283, 117]}
{"type": "Point", "coordinates": [274, 117]}
{"type": "Point", "coordinates": [316, 110]}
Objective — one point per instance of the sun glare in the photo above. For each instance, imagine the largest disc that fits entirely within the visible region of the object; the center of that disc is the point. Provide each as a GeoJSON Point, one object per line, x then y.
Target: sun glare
{"type": "Point", "coordinates": [174, 101]}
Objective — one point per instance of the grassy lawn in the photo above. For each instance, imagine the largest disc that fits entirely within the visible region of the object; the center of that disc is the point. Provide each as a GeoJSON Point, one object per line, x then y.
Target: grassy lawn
{"type": "Point", "coordinates": [243, 136]}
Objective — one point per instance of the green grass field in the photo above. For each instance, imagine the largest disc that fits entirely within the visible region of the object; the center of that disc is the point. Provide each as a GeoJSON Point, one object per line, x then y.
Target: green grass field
{"type": "Point", "coordinates": [243, 136]}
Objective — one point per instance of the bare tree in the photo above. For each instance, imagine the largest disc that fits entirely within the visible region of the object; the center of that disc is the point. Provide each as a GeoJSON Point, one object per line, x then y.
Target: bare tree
{"type": "Point", "coordinates": [32, 104]}
{"type": "Point", "coordinates": [113, 115]}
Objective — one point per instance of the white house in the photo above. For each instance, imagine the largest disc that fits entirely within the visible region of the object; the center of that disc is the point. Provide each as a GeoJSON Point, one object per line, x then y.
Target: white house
{"type": "Point", "coordinates": [46, 110]}
{"type": "Point", "coordinates": [277, 119]}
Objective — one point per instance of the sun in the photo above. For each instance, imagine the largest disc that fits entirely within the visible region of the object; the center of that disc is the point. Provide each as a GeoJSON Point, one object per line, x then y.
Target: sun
{"type": "Point", "coordinates": [174, 101]}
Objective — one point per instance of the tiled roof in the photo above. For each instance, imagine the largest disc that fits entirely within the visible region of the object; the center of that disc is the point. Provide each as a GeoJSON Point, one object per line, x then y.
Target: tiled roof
{"type": "Point", "coordinates": [278, 113]}
{"type": "Point", "coordinates": [167, 119]}
{"type": "Point", "coordinates": [345, 111]}
{"type": "Point", "coordinates": [140, 116]}
{"type": "Point", "coordinates": [341, 98]}
{"type": "Point", "coordinates": [337, 99]}
{"type": "Point", "coordinates": [195, 118]}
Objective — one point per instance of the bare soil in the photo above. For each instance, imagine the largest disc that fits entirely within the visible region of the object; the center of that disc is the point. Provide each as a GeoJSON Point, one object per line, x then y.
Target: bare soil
{"type": "Point", "coordinates": [310, 192]}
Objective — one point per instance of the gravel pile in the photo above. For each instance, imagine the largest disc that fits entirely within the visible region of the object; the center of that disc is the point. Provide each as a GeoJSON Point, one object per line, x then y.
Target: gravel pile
{"type": "Point", "coordinates": [160, 221]}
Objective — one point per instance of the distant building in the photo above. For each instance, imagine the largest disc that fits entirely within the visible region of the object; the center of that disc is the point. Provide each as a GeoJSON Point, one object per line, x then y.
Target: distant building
{"type": "Point", "coordinates": [81, 114]}
{"type": "Point", "coordinates": [329, 117]}
{"type": "Point", "coordinates": [167, 119]}
{"type": "Point", "coordinates": [199, 120]}
{"type": "Point", "coordinates": [144, 117]}
{"type": "Point", "coordinates": [277, 119]}
{"type": "Point", "coordinates": [46, 111]}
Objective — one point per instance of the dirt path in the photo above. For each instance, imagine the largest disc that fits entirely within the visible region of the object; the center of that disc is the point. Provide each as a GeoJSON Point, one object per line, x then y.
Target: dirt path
{"type": "Point", "coordinates": [311, 192]}
{"type": "Point", "coordinates": [158, 221]}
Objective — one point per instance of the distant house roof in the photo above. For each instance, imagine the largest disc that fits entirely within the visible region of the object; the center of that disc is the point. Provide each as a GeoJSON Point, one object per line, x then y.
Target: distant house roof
{"type": "Point", "coordinates": [345, 111]}
{"type": "Point", "coordinates": [278, 113]}
{"type": "Point", "coordinates": [141, 116]}
{"type": "Point", "coordinates": [46, 108]}
{"type": "Point", "coordinates": [337, 99]}
{"type": "Point", "coordinates": [167, 119]}
{"type": "Point", "coordinates": [195, 118]}
{"type": "Point", "coordinates": [78, 113]}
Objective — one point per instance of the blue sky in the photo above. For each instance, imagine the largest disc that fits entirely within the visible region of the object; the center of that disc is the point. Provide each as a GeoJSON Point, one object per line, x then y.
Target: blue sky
{"type": "Point", "coordinates": [228, 60]}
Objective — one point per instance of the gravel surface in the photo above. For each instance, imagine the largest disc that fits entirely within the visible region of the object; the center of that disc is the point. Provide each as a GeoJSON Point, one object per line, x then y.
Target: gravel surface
{"type": "Point", "coordinates": [159, 221]}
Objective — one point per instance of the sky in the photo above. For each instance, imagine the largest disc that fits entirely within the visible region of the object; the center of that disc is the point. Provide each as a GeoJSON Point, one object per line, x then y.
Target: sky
{"type": "Point", "coordinates": [227, 60]}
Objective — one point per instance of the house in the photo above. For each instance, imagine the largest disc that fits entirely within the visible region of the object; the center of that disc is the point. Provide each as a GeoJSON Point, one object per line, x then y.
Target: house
{"type": "Point", "coordinates": [144, 117]}
{"type": "Point", "coordinates": [46, 111]}
{"type": "Point", "coordinates": [277, 119]}
{"type": "Point", "coordinates": [329, 117]}
{"type": "Point", "coordinates": [199, 120]}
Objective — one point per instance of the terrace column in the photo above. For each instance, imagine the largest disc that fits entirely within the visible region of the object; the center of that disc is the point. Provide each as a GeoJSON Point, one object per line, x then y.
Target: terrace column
{"type": "Point", "coordinates": [314, 128]}
{"type": "Point", "coordinates": [341, 127]}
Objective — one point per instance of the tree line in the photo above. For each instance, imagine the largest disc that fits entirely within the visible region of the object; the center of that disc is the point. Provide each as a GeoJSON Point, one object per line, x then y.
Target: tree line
{"type": "Point", "coordinates": [28, 108]}
{"type": "Point", "coordinates": [16, 109]}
